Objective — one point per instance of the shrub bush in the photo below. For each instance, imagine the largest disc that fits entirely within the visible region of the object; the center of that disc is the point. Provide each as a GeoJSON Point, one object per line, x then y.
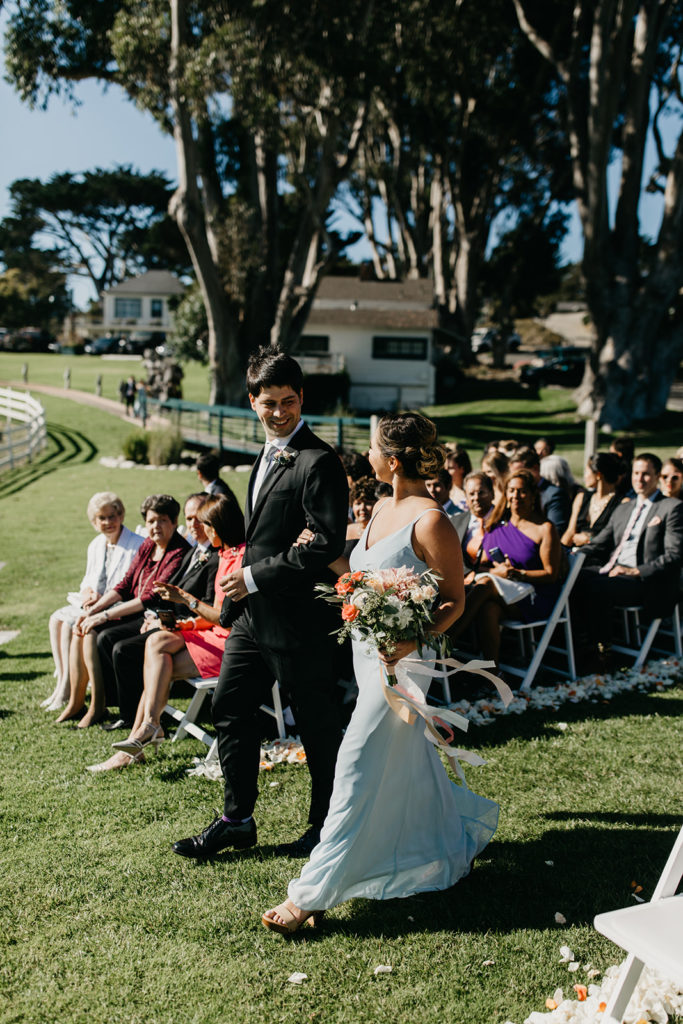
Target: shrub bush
{"type": "Point", "coordinates": [136, 447]}
{"type": "Point", "coordinates": [165, 446]}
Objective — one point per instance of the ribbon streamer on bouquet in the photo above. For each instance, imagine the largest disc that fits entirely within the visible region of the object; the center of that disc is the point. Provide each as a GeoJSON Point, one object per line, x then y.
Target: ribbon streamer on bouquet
{"type": "Point", "coordinates": [406, 699]}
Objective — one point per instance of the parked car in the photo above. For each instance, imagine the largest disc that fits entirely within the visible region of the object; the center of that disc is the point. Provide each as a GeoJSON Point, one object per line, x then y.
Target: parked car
{"type": "Point", "coordinates": [565, 368]}
{"type": "Point", "coordinates": [27, 339]}
{"type": "Point", "coordinates": [103, 346]}
{"type": "Point", "coordinates": [482, 340]}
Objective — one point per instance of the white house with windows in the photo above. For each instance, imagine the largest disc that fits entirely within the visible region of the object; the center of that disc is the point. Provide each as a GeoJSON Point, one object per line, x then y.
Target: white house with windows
{"type": "Point", "coordinates": [381, 333]}
{"type": "Point", "coordinates": [139, 305]}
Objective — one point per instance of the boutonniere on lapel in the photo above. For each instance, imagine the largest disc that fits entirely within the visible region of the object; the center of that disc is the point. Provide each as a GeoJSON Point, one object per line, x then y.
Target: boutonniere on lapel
{"type": "Point", "coordinates": [202, 557]}
{"type": "Point", "coordinates": [285, 458]}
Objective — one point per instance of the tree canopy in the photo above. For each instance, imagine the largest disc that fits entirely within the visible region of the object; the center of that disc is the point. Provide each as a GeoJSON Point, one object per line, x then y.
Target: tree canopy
{"type": "Point", "coordinates": [101, 224]}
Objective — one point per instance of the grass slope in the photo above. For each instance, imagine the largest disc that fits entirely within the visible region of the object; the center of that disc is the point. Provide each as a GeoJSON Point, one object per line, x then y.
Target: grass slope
{"type": "Point", "coordinates": [100, 922]}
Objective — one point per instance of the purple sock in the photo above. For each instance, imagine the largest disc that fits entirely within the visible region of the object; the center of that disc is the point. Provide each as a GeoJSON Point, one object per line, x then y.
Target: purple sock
{"type": "Point", "coordinates": [234, 821]}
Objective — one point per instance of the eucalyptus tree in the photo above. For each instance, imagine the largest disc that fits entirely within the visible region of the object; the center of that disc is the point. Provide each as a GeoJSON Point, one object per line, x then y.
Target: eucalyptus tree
{"type": "Point", "coordinates": [266, 102]}
{"type": "Point", "coordinates": [618, 63]}
{"type": "Point", "coordinates": [464, 126]}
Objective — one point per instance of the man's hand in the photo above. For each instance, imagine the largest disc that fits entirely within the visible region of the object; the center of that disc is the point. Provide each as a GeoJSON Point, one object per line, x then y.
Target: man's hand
{"type": "Point", "coordinates": [624, 570]}
{"type": "Point", "coordinates": [233, 585]}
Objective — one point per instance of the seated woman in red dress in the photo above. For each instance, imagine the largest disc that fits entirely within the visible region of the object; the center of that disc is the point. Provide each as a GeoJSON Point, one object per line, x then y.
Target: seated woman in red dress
{"type": "Point", "coordinates": [195, 646]}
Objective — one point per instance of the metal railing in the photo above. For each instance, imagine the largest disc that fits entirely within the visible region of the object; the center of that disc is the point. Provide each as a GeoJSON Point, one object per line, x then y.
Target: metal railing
{"type": "Point", "coordinates": [23, 431]}
{"type": "Point", "coordinates": [228, 428]}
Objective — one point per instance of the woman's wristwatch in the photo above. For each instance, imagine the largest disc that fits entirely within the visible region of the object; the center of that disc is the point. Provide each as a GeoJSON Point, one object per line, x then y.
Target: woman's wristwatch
{"type": "Point", "coordinates": [193, 604]}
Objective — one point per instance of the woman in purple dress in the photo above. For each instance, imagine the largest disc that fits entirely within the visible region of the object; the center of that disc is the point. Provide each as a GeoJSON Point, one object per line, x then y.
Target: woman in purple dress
{"type": "Point", "coordinates": [518, 545]}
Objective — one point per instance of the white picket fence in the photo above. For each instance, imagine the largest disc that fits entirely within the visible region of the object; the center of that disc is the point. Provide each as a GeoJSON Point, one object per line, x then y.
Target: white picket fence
{"type": "Point", "coordinates": [23, 431]}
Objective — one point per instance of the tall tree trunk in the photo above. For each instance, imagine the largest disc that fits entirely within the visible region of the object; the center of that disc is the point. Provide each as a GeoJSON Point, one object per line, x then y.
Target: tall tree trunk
{"type": "Point", "coordinates": [186, 208]}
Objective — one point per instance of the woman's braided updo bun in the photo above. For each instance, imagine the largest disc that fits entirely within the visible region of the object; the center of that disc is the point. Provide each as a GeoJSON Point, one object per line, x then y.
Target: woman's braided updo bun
{"type": "Point", "coordinates": [412, 439]}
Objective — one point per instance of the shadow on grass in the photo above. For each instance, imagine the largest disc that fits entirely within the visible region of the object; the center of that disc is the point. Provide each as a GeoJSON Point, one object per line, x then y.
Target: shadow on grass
{"type": "Point", "coordinates": [24, 677]}
{"type": "Point", "coordinates": [6, 712]}
{"type": "Point", "coordinates": [65, 446]}
{"type": "Point", "coordinates": [512, 887]}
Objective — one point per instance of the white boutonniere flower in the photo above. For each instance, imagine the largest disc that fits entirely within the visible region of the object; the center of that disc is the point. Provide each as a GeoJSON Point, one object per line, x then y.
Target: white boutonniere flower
{"type": "Point", "coordinates": [285, 458]}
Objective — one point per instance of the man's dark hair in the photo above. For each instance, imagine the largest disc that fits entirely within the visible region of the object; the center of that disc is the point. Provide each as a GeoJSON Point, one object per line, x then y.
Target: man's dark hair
{"type": "Point", "coordinates": [444, 478]}
{"type": "Point", "coordinates": [550, 445]}
{"type": "Point", "coordinates": [653, 459]}
{"type": "Point", "coordinates": [209, 465]}
{"type": "Point", "coordinates": [162, 504]}
{"type": "Point", "coordinates": [526, 457]}
{"type": "Point", "coordinates": [356, 465]}
{"type": "Point", "coordinates": [270, 367]}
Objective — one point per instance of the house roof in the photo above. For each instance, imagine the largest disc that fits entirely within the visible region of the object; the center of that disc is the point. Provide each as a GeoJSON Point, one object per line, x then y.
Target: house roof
{"type": "Point", "coordinates": [152, 282]}
{"type": "Point", "coordinates": [393, 305]}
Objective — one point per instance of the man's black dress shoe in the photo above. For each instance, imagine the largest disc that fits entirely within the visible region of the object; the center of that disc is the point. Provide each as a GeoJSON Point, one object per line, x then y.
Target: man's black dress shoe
{"type": "Point", "coordinates": [300, 847]}
{"type": "Point", "coordinates": [219, 835]}
{"type": "Point", "coordinates": [120, 723]}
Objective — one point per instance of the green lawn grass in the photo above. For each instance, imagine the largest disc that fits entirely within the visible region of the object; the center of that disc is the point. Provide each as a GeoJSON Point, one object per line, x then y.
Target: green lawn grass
{"type": "Point", "coordinates": [48, 368]}
{"type": "Point", "coordinates": [100, 922]}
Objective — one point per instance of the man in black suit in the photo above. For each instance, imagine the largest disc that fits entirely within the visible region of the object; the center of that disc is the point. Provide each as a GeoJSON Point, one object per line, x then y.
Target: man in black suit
{"type": "Point", "coordinates": [208, 467]}
{"type": "Point", "coordinates": [634, 560]}
{"type": "Point", "coordinates": [279, 629]}
{"type": "Point", "coordinates": [555, 503]}
{"type": "Point", "coordinates": [196, 574]}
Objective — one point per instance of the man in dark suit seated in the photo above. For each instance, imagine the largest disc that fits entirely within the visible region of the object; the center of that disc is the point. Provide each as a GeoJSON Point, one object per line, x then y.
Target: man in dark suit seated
{"type": "Point", "coordinates": [634, 560]}
{"type": "Point", "coordinates": [196, 574]}
{"type": "Point", "coordinates": [555, 503]}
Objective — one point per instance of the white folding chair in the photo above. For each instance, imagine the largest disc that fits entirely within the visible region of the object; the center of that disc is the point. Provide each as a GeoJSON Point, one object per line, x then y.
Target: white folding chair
{"type": "Point", "coordinates": [635, 644]}
{"type": "Point", "coordinates": [651, 933]}
{"type": "Point", "coordinates": [673, 631]}
{"type": "Point", "coordinates": [559, 617]}
{"type": "Point", "coordinates": [187, 720]}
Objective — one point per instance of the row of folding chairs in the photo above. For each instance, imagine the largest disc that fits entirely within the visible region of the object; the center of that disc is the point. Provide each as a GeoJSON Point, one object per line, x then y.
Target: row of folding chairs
{"type": "Point", "coordinates": [553, 636]}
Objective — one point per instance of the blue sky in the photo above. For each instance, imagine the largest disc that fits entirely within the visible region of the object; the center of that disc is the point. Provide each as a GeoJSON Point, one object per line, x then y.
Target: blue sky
{"type": "Point", "coordinates": [107, 129]}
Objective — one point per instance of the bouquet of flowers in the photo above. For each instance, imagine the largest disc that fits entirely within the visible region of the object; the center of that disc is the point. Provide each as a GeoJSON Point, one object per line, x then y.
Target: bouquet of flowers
{"type": "Point", "coordinates": [385, 606]}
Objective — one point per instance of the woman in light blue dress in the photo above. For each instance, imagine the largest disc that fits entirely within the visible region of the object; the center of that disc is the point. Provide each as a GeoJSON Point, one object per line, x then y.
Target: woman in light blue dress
{"type": "Point", "coordinates": [396, 825]}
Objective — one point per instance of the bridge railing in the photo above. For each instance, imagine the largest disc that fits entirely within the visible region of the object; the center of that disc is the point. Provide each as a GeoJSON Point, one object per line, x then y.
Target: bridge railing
{"type": "Point", "coordinates": [228, 428]}
{"type": "Point", "coordinates": [23, 431]}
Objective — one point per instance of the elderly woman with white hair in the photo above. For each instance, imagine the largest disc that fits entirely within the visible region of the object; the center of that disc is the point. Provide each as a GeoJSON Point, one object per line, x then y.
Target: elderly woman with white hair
{"type": "Point", "coordinates": [108, 559]}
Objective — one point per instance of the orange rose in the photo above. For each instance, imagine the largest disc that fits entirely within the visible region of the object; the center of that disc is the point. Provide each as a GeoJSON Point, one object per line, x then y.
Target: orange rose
{"type": "Point", "coordinates": [581, 992]}
{"type": "Point", "coordinates": [349, 612]}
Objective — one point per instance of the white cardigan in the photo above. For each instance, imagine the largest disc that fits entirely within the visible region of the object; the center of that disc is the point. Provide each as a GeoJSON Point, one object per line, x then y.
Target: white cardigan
{"type": "Point", "coordinates": [124, 552]}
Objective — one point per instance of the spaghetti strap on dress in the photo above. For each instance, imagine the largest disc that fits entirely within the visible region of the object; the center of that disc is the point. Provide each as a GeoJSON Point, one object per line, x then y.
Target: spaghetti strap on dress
{"type": "Point", "coordinates": [397, 825]}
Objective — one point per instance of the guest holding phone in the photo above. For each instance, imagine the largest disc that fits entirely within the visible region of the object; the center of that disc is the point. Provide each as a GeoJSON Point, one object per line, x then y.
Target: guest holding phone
{"type": "Point", "coordinates": [188, 646]}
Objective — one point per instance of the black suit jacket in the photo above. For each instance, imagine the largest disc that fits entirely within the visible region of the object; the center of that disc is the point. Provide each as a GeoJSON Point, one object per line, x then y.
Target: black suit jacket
{"type": "Point", "coordinates": [659, 551]}
{"type": "Point", "coordinates": [200, 581]}
{"type": "Point", "coordinates": [311, 491]}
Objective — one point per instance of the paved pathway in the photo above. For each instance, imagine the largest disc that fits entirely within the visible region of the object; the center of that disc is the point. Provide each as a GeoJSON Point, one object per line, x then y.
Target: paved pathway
{"type": "Point", "coordinates": [83, 397]}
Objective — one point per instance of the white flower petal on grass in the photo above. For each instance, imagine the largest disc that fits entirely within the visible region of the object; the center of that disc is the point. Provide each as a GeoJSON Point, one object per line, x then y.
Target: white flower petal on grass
{"type": "Point", "coordinates": [562, 726]}
{"type": "Point", "coordinates": [573, 966]}
{"type": "Point", "coordinates": [638, 899]}
{"type": "Point", "coordinates": [560, 918]}
{"type": "Point", "coordinates": [383, 969]}
{"type": "Point", "coordinates": [550, 863]}
{"type": "Point", "coordinates": [297, 978]}
{"type": "Point", "coordinates": [488, 963]}
{"type": "Point", "coordinates": [566, 955]}
{"type": "Point", "coordinates": [592, 972]}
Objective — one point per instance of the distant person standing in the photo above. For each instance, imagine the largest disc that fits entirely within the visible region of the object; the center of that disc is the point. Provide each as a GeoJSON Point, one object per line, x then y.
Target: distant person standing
{"type": "Point", "coordinates": [130, 395]}
{"type": "Point", "coordinates": [141, 403]}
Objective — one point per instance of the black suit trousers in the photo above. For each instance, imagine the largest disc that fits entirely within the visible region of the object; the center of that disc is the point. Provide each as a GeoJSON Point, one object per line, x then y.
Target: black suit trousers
{"type": "Point", "coordinates": [128, 657]}
{"type": "Point", "coordinates": [107, 638]}
{"type": "Point", "coordinates": [248, 671]}
{"type": "Point", "coordinates": [595, 597]}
